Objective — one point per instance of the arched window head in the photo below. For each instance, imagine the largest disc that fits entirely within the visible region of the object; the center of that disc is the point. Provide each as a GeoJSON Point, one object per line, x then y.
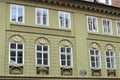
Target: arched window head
{"type": "Point", "coordinates": [42, 52]}
{"type": "Point", "coordinates": [16, 50]}
{"type": "Point", "coordinates": [65, 54]}
{"type": "Point", "coordinates": [95, 58]}
{"type": "Point", "coordinates": [110, 57]}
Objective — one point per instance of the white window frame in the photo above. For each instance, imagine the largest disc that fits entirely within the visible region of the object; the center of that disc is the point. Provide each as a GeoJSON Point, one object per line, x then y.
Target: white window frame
{"type": "Point", "coordinates": [16, 50]}
{"type": "Point", "coordinates": [118, 29]}
{"type": "Point", "coordinates": [48, 52]}
{"type": "Point", "coordinates": [69, 20]}
{"type": "Point", "coordinates": [47, 20]}
{"type": "Point", "coordinates": [17, 6]}
{"type": "Point", "coordinates": [110, 59]}
{"type": "Point", "coordinates": [95, 24]}
{"type": "Point", "coordinates": [95, 59]}
{"type": "Point", "coordinates": [107, 27]}
{"type": "Point", "coordinates": [105, 2]}
{"type": "Point", "coordinates": [66, 66]}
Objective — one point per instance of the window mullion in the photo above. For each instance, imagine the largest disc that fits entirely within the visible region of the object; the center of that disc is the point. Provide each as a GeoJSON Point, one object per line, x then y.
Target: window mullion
{"type": "Point", "coordinates": [16, 52]}
{"type": "Point", "coordinates": [42, 16]}
{"type": "Point", "coordinates": [42, 54]}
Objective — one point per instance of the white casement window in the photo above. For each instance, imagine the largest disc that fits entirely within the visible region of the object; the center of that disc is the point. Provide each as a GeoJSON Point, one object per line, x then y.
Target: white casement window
{"type": "Point", "coordinates": [42, 55]}
{"type": "Point", "coordinates": [16, 53]}
{"type": "Point", "coordinates": [65, 56]}
{"type": "Point", "coordinates": [118, 27]}
{"type": "Point", "coordinates": [107, 2]}
{"type": "Point", "coordinates": [64, 20]}
{"type": "Point", "coordinates": [92, 24]}
{"type": "Point", "coordinates": [95, 59]}
{"type": "Point", "coordinates": [16, 13]}
{"type": "Point", "coordinates": [42, 16]}
{"type": "Point", "coordinates": [110, 59]}
{"type": "Point", "coordinates": [107, 26]}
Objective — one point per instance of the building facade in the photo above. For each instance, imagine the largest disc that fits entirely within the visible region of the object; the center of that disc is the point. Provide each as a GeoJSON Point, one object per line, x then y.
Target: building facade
{"type": "Point", "coordinates": [59, 40]}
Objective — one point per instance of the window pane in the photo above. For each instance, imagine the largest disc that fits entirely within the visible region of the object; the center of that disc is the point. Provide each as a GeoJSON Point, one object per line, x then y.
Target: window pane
{"type": "Point", "coordinates": [39, 61]}
{"type": "Point", "coordinates": [97, 52]}
{"type": "Point", "coordinates": [68, 57]}
{"type": "Point", "coordinates": [61, 17]}
{"type": "Point", "coordinates": [67, 18]}
{"type": "Point", "coordinates": [45, 48]}
{"type": "Point", "coordinates": [108, 65]}
{"type": "Point", "coordinates": [63, 63]}
{"type": "Point", "coordinates": [14, 12]}
{"type": "Point", "coordinates": [19, 60]}
{"type": "Point", "coordinates": [39, 16]}
{"type": "Point", "coordinates": [97, 64]}
{"type": "Point", "coordinates": [68, 63]}
{"type": "Point", "coordinates": [13, 45]}
{"type": "Point", "coordinates": [45, 55]}
{"type": "Point", "coordinates": [112, 63]}
{"type": "Point", "coordinates": [92, 52]}
{"type": "Point", "coordinates": [39, 48]}
{"type": "Point", "coordinates": [107, 53]}
{"type": "Point", "coordinates": [39, 55]}
{"type": "Point", "coordinates": [44, 16]}
{"type": "Point", "coordinates": [68, 50]}
{"type": "Point", "coordinates": [13, 53]}
{"type": "Point", "coordinates": [62, 56]}
{"type": "Point", "coordinates": [20, 14]}
{"type": "Point", "coordinates": [62, 49]}
{"type": "Point", "coordinates": [45, 62]}
{"type": "Point", "coordinates": [90, 23]}
{"type": "Point", "coordinates": [92, 58]}
{"type": "Point", "coordinates": [108, 59]}
{"type": "Point", "coordinates": [20, 54]}
{"type": "Point", "coordinates": [12, 60]}
{"type": "Point", "coordinates": [20, 46]}
{"type": "Point", "coordinates": [93, 64]}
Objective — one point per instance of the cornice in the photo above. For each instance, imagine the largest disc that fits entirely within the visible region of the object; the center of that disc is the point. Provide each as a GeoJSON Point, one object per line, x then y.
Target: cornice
{"type": "Point", "coordinates": [90, 6]}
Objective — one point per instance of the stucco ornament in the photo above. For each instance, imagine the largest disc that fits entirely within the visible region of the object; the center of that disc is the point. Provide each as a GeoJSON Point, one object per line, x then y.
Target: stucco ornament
{"type": "Point", "coordinates": [109, 47]}
{"type": "Point", "coordinates": [42, 41]}
{"type": "Point", "coordinates": [95, 46]}
{"type": "Point", "coordinates": [17, 38]}
{"type": "Point", "coordinates": [66, 43]}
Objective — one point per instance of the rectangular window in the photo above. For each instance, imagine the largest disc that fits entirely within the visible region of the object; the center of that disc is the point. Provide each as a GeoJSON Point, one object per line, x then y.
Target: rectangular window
{"type": "Point", "coordinates": [17, 13]}
{"type": "Point", "coordinates": [107, 26]}
{"type": "Point", "coordinates": [118, 27]}
{"type": "Point", "coordinates": [110, 59]}
{"type": "Point", "coordinates": [92, 24]}
{"type": "Point", "coordinates": [16, 51]}
{"type": "Point", "coordinates": [66, 56]}
{"type": "Point", "coordinates": [42, 55]}
{"type": "Point", "coordinates": [42, 16]}
{"type": "Point", "coordinates": [64, 20]}
{"type": "Point", "coordinates": [95, 58]}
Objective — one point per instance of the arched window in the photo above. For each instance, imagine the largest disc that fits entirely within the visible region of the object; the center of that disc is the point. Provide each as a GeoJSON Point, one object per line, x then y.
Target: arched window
{"type": "Point", "coordinates": [16, 50]}
{"type": "Point", "coordinates": [65, 54]}
{"type": "Point", "coordinates": [95, 58]}
{"type": "Point", "coordinates": [110, 58]}
{"type": "Point", "coordinates": [42, 52]}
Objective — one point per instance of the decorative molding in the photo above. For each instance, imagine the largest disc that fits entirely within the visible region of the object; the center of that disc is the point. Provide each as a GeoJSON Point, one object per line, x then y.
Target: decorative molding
{"type": "Point", "coordinates": [66, 43]}
{"type": "Point", "coordinates": [109, 47]}
{"type": "Point", "coordinates": [111, 73]}
{"type": "Point", "coordinates": [66, 71]}
{"type": "Point", "coordinates": [16, 69]}
{"type": "Point", "coordinates": [95, 46]}
{"type": "Point", "coordinates": [84, 5]}
{"type": "Point", "coordinates": [96, 72]}
{"type": "Point", "coordinates": [42, 41]}
{"type": "Point", "coordinates": [42, 70]}
{"type": "Point", "coordinates": [17, 38]}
